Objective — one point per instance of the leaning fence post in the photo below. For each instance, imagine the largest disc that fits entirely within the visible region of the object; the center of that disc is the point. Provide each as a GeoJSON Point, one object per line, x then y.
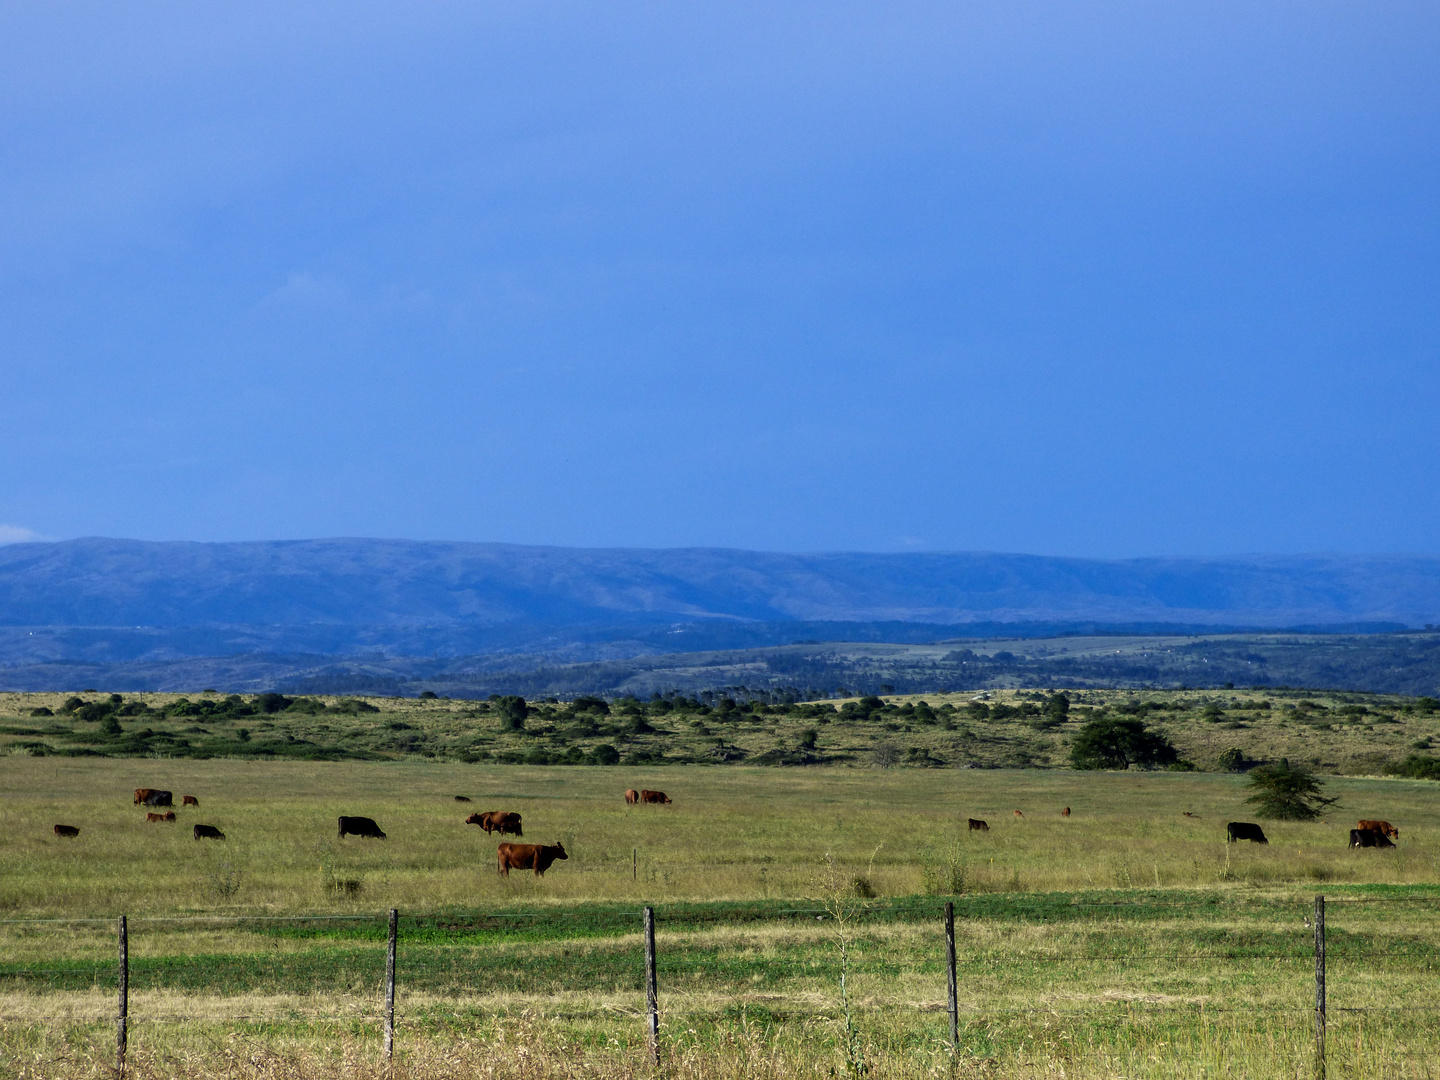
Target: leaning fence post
{"type": "Point", "coordinates": [950, 972]}
{"type": "Point", "coordinates": [122, 1020]}
{"type": "Point", "coordinates": [652, 996]}
{"type": "Point", "coordinates": [390, 987]}
{"type": "Point", "coordinates": [1319, 988]}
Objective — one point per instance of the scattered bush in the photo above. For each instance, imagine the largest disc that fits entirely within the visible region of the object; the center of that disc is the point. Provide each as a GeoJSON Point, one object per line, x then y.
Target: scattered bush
{"type": "Point", "coordinates": [1287, 792]}
{"type": "Point", "coordinates": [1113, 742]}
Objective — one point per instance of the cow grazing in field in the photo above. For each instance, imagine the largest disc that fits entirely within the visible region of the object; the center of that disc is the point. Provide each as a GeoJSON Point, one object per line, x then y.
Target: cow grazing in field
{"type": "Point", "coordinates": [1018, 814]}
{"type": "Point", "coordinates": [145, 796]}
{"type": "Point", "coordinates": [208, 832]}
{"type": "Point", "coordinates": [1369, 838]}
{"type": "Point", "coordinates": [537, 857]}
{"type": "Point", "coordinates": [505, 822]}
{"type": "Point", "coordinates": [1380, 827]}
{"type": "Point", "coordinates": [1065, 812]}
{"type": "Point", "coordinates": [360, 826]}
{"type": "Point", "coordinates": [67, 830]}
{"type": "Point", "coordinates": [1186, 813]}
{"type": "Point", "coordinates": [1244, 830]}
{"type": "Point", "coordinates": [631, 797]}
{"type": "Point", "coordinates": [647, 796]}
{"type": "Point", "coordinates": [189, 800]}
{"type": "Point", "coordinates": [169, 815]}
{"type": "Point", "coordinates": [462, 798]}
{"type": "Point", "coordinates": [976, 825]}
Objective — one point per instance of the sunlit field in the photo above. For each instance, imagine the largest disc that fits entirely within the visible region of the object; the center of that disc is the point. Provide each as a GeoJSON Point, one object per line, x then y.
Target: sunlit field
{"type": "Point", "coordinates": [1124, 940]}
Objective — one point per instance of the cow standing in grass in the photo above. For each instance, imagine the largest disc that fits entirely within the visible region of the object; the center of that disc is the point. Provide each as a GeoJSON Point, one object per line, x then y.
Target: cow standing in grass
{"type": "Point", "coordinates": [537, 857]}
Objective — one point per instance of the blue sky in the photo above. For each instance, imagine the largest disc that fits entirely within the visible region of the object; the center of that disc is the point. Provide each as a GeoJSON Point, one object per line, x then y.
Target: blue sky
{"type": "Point", "coordinates": [1101, 279]}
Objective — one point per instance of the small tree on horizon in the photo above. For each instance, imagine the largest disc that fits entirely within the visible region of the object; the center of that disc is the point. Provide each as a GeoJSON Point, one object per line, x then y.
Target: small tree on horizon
{"type": "Point", "coordinates": [1286, 792]}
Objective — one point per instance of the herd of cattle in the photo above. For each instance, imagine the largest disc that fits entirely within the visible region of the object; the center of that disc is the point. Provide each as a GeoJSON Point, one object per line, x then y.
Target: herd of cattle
{"type": "Point", "coordinates": [1369, 833]}
{"type": "Point", "coordinates": [536, 857]}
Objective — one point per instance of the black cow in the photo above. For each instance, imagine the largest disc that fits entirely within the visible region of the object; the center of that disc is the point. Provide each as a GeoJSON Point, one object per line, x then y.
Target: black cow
{"type": "Point", "coordinates": [208, 832]}
{"type": "Point", "coordinates": [1244, 830]}
{"type": "Point", "coordinates": [67, 830]}
{"type": "Point", "coordinates": [360, 826]}
{"type": "Point", "coordinates": [1369, 838]}
{"type": "Point", "coordinates": [462, 798]}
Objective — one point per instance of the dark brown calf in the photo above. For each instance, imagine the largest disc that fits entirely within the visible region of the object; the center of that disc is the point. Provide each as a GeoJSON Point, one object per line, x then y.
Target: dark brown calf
{"type": "Point", "coordinates": [976, 825]}
{"type": "Point", "coordinates": [66, 830]}
{"type": "Point", "coordinates": [189, 800]}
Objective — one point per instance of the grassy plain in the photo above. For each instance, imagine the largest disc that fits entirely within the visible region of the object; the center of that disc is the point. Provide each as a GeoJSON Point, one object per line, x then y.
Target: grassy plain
{"type": "Point", "coordinates": [1345, 733]}
{"type": "Point", "coordinates": [1125, 940]}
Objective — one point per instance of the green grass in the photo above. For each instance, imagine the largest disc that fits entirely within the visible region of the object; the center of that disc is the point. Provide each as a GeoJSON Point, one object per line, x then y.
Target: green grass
{"type": "Point", "coordinates": [1125, 940]}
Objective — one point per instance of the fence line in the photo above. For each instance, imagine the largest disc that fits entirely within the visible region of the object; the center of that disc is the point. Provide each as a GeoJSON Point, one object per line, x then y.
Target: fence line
{"type": "Point", "coordinates": [388, 1019]}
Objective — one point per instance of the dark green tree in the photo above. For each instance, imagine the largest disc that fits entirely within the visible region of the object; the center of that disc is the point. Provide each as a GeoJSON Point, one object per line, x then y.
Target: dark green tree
{"type": "Point", "coordinates": [1287, 792]}
{"type": "Point", "coordinates": [1117, 742]}
{"type": "Point", "coordinates": [605, 754]}
{"type": "Point", "coordinates": [512, 710]}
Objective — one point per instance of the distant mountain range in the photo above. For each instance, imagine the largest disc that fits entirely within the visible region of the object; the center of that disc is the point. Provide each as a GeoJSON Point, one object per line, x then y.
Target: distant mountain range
{"type": "Point", "coordinates": [133, 614]}
{"type": "Point", "coordinates": [334, 596]}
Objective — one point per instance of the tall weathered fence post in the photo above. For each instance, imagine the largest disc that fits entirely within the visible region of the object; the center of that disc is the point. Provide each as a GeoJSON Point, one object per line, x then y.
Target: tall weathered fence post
{"type": "Point", "coordinates": [122, 1019]}
{"type": "Point", "coordinates": [652, 996]}
{"type": "Point", "coordinates": [1319, 988]}
{"type": "Point", "coordinates": [950, 975]}
{"type": "Point", "coordinates": [390, 986]}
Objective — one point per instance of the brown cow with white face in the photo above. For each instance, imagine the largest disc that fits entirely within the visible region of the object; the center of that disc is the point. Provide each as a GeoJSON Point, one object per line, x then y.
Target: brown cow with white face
{"type": "Point", "coordinates": [537, 857]}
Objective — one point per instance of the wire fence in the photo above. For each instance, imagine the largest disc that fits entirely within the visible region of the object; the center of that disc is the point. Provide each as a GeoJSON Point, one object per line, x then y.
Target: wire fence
{"type": "Point", "coordinates": [1297, 949]}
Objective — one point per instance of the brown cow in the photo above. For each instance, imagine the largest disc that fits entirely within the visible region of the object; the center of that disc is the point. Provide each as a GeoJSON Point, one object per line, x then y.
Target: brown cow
{"type": "Point", "coordinates": [189, 800]}
{"type": "Point", "coordinates": [1065, 812]}
{"type": "Point", "coordinates": [631, 797]}
{"type": "Point", "coordinates": [1018, 814]}
{"type": "Point", "coordinates": [976, 825]}
{"type": "Point", "coordinates": [66, 830]}
{"type": "Point", "coordinates": [1381, 827]}
{"type": "Point", "coordinates": [529, 856]}
{"type": "Point", "coordinates": [169, 815]}
{"type": "Point", "coordinates": [647, 796]}
{"type": "Point", "coordinates": [502, 821]}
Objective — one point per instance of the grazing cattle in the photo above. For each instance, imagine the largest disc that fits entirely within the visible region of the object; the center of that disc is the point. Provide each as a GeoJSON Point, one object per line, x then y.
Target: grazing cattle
{"type": "Point", "coordinates": [1369, 838]}
{"type": "Point", "coordinates": [1380, 827]}
{"type": "Point", "coordinates": [1018, 814]}
{"type": "Point", "coordinates": [360, 826]}
{"type": "Point", "coordinates": [976, 825]}
{"type": "Point", "coordinates": [1187, 813]}
{"type": "Point", "coordinates": [653, 796]}
{"type": "Point", "coordinates": [208, 832]}
{"type": "Point", "coordinates": [462, 798]}
{"type": "Point", "coordinates": [502, 821]}
{"type": "Point", "coordinates": [145, 796]}
{"type": "Point", "coordinates": [631, 797]}
{"type": "Point", "coordinates": [1065, 812]}
{"type": "Point", "coordinates": [189, 800]}
{"type": "Point", "coordinates": [66, 830]}
{"type": "Point", "coordinates": [1244, 830]}
{"type": "Point", "coordinates": [169, 815]}
{"type": "Point", "coordinates": [537, 857]}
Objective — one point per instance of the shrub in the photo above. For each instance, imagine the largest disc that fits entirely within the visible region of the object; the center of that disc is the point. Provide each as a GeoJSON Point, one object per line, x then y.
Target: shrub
{"type": "Point", "coordinates": [605, 754]}
{"type": "Point", "coordinates": [1113, 742]}
{"type": "Point", "coordinates": [1417, 767]}
{"type": "Point", "coordinates": [1287, 792]}
{"type": "Point", "coordinates": [1233, 760]}
{"type": "Point", "coordinates": [512, 710]}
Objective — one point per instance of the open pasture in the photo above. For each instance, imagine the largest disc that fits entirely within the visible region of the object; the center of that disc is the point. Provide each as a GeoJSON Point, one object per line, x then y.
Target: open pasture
{"type": "Point", "coordinates": [1125, 940]}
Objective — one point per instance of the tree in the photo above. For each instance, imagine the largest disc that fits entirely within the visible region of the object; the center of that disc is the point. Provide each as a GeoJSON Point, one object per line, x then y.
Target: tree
{"type": "Point", "coordinates": [512, 710]}
{"type": "Point", "coordinates": [1287, 792]}
{"type": "Point", "coordinates": [1116, 742]}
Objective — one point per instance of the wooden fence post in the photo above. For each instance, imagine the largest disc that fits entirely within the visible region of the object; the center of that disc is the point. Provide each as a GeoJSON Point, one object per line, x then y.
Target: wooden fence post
{"type": "Point", "coordinates": [1319, 988]}
{"type": "Point", "coordinates": [950, 972]}
{"type": "Point", "coordinates": [390, 987]}
{"type": "Point", "coordinates": [652, 996]}
{"type": "Point", "coordinates": [122, 1019]}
